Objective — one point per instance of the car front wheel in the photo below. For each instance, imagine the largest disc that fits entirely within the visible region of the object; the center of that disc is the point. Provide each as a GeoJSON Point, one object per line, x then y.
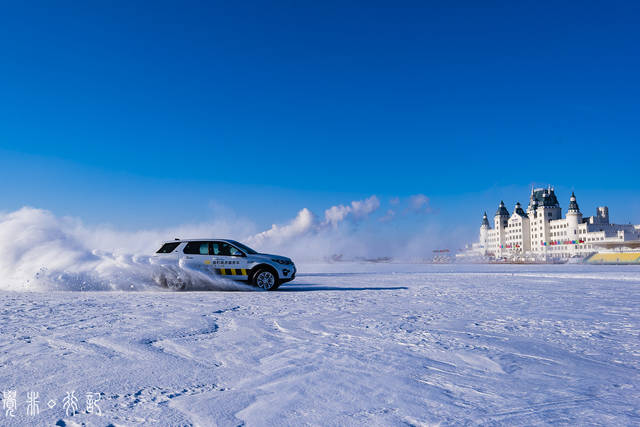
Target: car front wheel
{"type": "Point", "coordinates": [266, 280]}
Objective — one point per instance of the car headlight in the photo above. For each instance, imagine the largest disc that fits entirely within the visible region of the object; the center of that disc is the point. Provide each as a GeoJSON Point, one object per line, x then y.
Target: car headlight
{"type": "Point", "coordinates": [281, 261]}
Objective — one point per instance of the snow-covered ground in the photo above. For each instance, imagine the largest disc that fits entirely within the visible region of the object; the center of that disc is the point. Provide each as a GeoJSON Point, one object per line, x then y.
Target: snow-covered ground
{"type": "Point", "coordinates": [344, 344]}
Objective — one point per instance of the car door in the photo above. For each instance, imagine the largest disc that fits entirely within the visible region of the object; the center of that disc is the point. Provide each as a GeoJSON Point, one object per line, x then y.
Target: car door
{"type": "Point", "coordinates": [196, 256]}
{"type": "Point", "coordinates": [229, 261]}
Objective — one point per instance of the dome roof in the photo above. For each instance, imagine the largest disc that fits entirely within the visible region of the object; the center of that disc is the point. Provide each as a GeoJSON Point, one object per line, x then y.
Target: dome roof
{"type": "Point", "coordinates": [519, 210]}
{"type": "Point", "coordinates": [550, 200]}
{"type": "Point", "coordinates": [485, 220]}
{"type": "Point", "coordinates": [573, 205]}
{"type": "Point", "coordinates": [543, 197]}
{"type": "Point", "coordinates": [502, 211]}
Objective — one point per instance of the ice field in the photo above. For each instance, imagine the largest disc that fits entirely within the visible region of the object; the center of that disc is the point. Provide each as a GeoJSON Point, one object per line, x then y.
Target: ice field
{"type": "Point", "coordinates": [344, 344]}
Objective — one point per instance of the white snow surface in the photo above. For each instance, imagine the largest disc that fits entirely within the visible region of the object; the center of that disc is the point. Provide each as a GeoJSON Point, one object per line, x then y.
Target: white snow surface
{"type": "Point", "coordinates": [344, 344]}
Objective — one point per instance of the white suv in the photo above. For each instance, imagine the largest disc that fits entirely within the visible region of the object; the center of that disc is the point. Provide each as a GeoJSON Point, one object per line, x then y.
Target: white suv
{"type": "Point", "coordinates": [226, 258]}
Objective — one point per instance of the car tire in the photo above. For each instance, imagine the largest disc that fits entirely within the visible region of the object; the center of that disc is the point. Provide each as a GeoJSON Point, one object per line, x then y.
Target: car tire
{"type": "Point", "coordinates": [171, 283]}
{"type": "Point", "coordinates": [266, 279]}
{"type": "Point", "coordinates": [177, 286]}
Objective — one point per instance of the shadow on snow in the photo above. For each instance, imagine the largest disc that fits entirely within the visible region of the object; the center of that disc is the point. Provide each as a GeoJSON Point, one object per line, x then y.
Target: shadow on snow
{"type": "Point", "coordinates": [309, 287]}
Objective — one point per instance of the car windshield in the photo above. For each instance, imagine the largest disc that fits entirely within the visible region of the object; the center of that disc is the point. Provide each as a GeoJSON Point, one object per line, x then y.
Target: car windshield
{"type": "Point", "coordinates": [245, 248]}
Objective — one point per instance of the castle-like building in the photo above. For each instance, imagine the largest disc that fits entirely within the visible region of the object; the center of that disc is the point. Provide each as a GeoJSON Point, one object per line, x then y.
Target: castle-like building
{"type": "Point", "coordinates": [541, 231]}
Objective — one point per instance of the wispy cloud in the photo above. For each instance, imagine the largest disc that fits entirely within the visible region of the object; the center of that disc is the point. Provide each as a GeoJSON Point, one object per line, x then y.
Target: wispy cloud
{"type": "Point", "coordinates": [388, 216]}
{"type": "Point", "coordinates": [419, 203]}
{"type": "Point", "coordinates": [302, 224]}
{"type": "Point", "coordinates": [358, 209]}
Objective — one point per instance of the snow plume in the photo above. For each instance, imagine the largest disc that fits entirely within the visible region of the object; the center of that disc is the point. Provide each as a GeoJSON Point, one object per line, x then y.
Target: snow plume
{"type": "Point", "coordinates": [42, 252]}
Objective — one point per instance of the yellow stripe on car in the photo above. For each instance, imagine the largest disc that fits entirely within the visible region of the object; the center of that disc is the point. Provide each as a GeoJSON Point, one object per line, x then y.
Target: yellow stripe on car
{"type": "Point", "coordinates": [232, 271]}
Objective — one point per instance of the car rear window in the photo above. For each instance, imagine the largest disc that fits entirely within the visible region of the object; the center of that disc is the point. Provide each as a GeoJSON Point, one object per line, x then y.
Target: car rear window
{"type": "Point", "coordinates": [168, 248]}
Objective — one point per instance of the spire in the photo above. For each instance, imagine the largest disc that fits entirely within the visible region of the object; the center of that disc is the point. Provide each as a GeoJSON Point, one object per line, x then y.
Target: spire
{"type": "Point", "coordinates": [573, 205]}
{"type": "Point", "coordinates": [485, 220]}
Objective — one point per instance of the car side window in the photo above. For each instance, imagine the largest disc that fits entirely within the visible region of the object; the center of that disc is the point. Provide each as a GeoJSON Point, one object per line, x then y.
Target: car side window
{"type": "Point", "coordinates": [225, 249]}
{"type": "Point", "coordinates": [215, 248]}
{"type": "Point", "coordinates": [197, 248]}
{"type": "Point", "coordinates": [233, 251]}
{"type": "Point", "coordinates": [204, 248]}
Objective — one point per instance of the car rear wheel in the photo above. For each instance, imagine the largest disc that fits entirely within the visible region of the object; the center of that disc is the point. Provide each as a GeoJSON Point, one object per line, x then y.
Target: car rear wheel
{"type": "Point", "coordinates": [176, 285]}
{"type": "Point", "coordinates": [171, 283]}
{"type": "Point", "coordinates": [266, 279]}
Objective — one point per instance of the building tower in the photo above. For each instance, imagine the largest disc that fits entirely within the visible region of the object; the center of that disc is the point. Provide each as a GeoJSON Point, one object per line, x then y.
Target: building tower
{"type": "Point", "coordinates": [548, 211]}
{"type": "Point", "coordinates": [484, 234]}
{"type": "Point", "coordinates": [518, 233]}
{"type": "Point", "coordinates": [574, 218]}
{"type": "Point", "coordinates": [533, 207]}
{"type": "Point", "coordinates": [500, 222]}
{"type": "Point", "coordinates": [550, 205]}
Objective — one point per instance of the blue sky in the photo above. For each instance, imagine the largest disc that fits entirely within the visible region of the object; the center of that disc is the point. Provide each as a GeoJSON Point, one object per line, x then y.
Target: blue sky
{"type": "Point", "coordinates": [147, 114]}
